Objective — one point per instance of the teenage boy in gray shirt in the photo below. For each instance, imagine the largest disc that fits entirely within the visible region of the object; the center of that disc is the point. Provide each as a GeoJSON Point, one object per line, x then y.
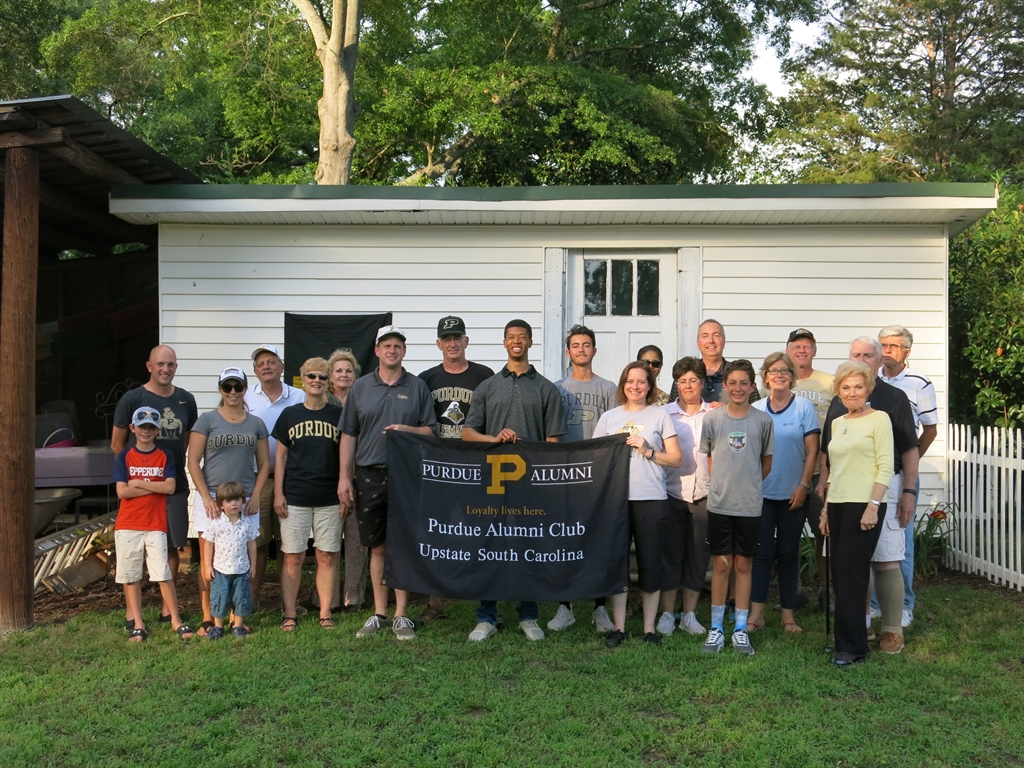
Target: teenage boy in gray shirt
{"type": "Point", "coordinates": [585, 398]}
{"type": "Point", "coordinates": [740, 443]}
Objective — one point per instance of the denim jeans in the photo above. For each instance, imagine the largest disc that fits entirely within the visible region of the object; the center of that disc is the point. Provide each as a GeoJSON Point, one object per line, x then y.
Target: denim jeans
{"type": "Point", "coordinates": [779, 540]}
{"type": "Point", "coordinates": [230, 591]}
{"type": "Point", "coordinates": [487, 613]}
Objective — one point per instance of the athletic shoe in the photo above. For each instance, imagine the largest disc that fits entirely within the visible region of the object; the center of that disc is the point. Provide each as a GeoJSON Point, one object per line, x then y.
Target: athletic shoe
{"type": "Point", "coordinates": [875, 613]}
{"type": "Point", "coordinates": [614, 638]}
{"type": "Point", "coordinates": [689, 623]}
{"type": "Point", "coordinates": [531, 630]}
{"type": "Point", "coordinates": [741, 642]}
{"type": "Point", "coordinates": [563, 619]}
{"type": "Point", "coordinates": [404, 628]}
{"type": "Point", "coordinates": [215, 633]}
{"type": "Point", "coordinates": [667, 623]}
{"type": "Point", "coordinates": [871, 634]}
{"type": "Point", "coordinates": [891, 643]}
{"type": "Point", "coordinates": [601, 620]}
{"type": "Point", "coordinates": [908, 617]}
{"type": "Point", "coordinates": [373, 625]}
{"type": "Point", "coordinates": [652, 639]}
{"type": "Point", "coordinates": [715, 641]}
{"type": "Point", "coordinates": [483, 630]}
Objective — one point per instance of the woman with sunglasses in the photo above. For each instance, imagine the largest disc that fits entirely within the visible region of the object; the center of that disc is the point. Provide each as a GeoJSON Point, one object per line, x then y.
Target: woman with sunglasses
{"type": "Point", "coordinates": [232, 445]}
{"type": "Point", "coordinates": [655, 359]}
{"type": "Point", "coordinates": [306, 472]}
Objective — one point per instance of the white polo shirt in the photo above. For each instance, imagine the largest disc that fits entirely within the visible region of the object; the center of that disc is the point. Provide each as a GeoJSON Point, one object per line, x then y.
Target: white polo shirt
{"type": "Point", "coordinates": [920, 393]}
{"type": "Point", "coordinates": [259, 405]}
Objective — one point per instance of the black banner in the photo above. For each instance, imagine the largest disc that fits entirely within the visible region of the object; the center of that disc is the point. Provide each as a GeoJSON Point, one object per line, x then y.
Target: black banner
{"type": "Point", "coordinates": [507, 521]}
{"type": "Point", "coordinates": [307, 336]}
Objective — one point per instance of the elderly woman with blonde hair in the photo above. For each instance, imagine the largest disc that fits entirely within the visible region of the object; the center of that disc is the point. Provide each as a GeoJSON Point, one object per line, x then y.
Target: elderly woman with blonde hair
{"type": "Point", "coordinates": [860, 455]}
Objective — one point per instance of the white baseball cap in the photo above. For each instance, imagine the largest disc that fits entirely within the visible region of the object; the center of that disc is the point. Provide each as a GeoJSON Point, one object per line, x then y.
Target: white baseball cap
{"type": "Point", "coordinates": [390, 330]}
{"type": "Point", "coordinates": [265, 348]}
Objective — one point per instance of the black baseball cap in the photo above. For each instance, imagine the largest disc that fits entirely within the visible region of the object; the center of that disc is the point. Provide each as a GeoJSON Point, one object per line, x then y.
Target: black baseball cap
{"type": "Point", "coordinates": [801, 333]}
{"type": "Point", "coordinates": [450, 326]}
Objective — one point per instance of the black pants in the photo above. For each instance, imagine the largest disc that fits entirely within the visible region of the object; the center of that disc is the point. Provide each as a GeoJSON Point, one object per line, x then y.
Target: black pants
{"type": "Point", "coordinates": [852, 549]}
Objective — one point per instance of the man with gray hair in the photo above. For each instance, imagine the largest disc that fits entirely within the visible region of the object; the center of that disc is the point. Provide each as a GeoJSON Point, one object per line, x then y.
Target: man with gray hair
{"type": "Point", "coordinates": [896, 342]}
{"type": "Point", "coordinates": [885, 563]}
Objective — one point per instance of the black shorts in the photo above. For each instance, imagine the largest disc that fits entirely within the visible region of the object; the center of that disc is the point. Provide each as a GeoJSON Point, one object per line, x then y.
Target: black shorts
{"type": "Point", "coordinates": [733, 535]}
{"type": "Point", "coordinates": [177, 521]}
{"type": "Point", "coordinates": [658, 556]}
{"type": "Point", "coordinates": [371, 497]}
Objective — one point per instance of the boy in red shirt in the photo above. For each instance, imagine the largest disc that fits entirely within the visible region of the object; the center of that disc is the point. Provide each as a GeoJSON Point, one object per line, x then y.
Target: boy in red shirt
{"type": "Point", "coordinates": [145, 477]}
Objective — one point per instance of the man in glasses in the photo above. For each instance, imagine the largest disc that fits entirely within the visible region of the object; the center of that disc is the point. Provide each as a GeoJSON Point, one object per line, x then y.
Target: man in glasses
{"type": "Point", "coordinates": [178, 414]}
{"type": "Point", "coordinates": [896, 342]}
{"type": "Point", "coordinates": [390, 398]}
{"type": "Point", "coordinates": [451, 384]}
{"type": "Point", "coordinates": [815, 386]}
{"type": "Point", "coordinates": [267, 398]}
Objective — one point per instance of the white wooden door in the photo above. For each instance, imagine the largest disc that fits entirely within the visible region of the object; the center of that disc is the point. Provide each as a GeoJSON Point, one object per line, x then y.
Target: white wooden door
{"type": "Point", "coordinates": [628, 297]}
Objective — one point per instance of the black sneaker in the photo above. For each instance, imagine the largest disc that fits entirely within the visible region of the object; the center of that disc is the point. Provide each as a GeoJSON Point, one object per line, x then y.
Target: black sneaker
{"type": "Point", "coordinates": [614, 638]}
{"type": "Point", "coordinates": [651, 638]}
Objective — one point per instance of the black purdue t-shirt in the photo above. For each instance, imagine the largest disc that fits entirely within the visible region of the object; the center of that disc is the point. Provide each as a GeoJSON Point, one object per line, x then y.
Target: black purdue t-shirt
{"type": "Point", "coordinates": [311, 437]}
{"type": "Point", "coordinates": [452, 394]}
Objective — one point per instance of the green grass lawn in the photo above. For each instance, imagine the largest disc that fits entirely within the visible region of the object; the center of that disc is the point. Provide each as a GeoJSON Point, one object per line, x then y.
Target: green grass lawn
{"type": "Point", "coordinates": [79, 694]}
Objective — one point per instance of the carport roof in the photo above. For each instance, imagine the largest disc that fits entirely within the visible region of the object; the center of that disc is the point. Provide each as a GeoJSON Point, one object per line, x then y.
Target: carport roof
{"type": "Point", "coordinates": [957, 205]}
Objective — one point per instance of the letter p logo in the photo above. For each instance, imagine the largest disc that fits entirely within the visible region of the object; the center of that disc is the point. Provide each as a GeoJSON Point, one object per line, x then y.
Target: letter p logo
{"type": "Point", "coordinates": [498, 477]}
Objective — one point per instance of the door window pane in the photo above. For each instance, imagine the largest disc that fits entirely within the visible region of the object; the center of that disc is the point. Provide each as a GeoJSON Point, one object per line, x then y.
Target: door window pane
{"type": "Point", "coordinates": [647, 298]}
{"type": "Point", "coordinates": [622, 287]}
{"type": "Point", "coordinates": [596, 286]}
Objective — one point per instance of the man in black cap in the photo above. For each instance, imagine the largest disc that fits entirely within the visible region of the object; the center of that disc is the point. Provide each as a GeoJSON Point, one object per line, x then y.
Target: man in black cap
{"type": "Point", "coordinates": [451, 388]}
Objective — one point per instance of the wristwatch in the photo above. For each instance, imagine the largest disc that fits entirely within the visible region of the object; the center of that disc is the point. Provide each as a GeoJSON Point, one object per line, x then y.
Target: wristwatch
{"type": "Point", "coordinates": [876, 502]}
{"type": "Point", "coordinates": [911, 491]}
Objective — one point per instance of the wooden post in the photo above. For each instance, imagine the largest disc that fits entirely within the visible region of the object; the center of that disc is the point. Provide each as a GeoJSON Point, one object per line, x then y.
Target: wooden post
{"type": "Point", "coordinates": [17, 391]}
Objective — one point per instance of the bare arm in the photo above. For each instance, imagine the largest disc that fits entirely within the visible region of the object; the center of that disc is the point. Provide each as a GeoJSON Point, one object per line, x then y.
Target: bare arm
{"type": "Point", "coordinates": [118, 439]}
{"type": "Point", "coordinates": [281, 459]}
{"type": "Point", "coordinates": [505, 436]}
{"type": "Point", "coordinates": [164, 487]}
{"type": "Point", "coordinates": [766, 466]}
{"type": "Point", "coordinates": [196, 450]}
{"type": "Point", "coordinates": [906, 505]}
{"type": "Point", "coordinates": [251, 547]}
{"type": "Point", "coordinates": [928, 435]}
{"type": "Point", "coordinates": [406, 428]}
{"type": "Point", "coordinates": [346, 493]}
{"type": "Point", "coordinates": [796, 499]}
{"type": "Point", "coordinates": [552, 439]}
{"type": "Point", "coordinates": [262, 474]}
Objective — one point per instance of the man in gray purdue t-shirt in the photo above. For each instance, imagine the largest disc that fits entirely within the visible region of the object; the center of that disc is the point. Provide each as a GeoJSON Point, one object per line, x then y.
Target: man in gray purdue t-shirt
{"type": "Point", "coordinates": [585, 398]}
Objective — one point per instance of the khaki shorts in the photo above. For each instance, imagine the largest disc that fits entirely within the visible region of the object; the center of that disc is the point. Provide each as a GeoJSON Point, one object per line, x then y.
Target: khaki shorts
{"type": "Point", "coordinates": [325, 523]}
{"type": "Point", "coordinates": [892, 541]}
{"type": "Point", "coordinates": [269, 521]}
{"type": "Point", "coordinates": [134, 546]}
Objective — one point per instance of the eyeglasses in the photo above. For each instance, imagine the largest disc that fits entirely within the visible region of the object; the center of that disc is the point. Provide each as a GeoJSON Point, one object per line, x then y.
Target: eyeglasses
{"type": "Point", "coordinates": [688, 382]}
{"type": "Point", "coordinates": [228, 386]}
{"type": "Point", "coordinates": [315, 376]}
{"type": "Point", "coordinates": [778, 371]}
{"type": "Point", "coordinates": [652, 363]}
{"type": "Point", "coordinates": [893, 346]}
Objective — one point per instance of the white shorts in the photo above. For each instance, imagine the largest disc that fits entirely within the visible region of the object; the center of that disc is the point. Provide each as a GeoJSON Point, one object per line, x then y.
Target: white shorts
{"type": "Point", "coordinates": [134, 546]}
{"type": "Point", "coordinates": [892, 543]}
{"type": "Point", "coordinates": [200, 522]}
{"type": "Point", "coordinates": [324, 522]}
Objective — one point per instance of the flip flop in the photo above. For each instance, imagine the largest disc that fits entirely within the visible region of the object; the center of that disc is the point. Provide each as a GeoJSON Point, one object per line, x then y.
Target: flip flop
{"type": "Point", "coordinates": [137, 636]}
{"type": "Point", "coordinates": [185, 632]}
{"type": "Point", "coordinates": [752, 627]}
{"type": "Point", "coordinates": [205, 627]}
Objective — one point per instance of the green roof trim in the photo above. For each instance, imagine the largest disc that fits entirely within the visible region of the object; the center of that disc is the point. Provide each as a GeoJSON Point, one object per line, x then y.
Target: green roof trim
{"type": "Point", "coordinates": [540, 194]}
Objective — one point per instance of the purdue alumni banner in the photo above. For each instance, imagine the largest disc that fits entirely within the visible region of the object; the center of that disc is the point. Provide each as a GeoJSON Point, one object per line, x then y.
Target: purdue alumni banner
{"type": "Point", "coordinates": [507, 521]}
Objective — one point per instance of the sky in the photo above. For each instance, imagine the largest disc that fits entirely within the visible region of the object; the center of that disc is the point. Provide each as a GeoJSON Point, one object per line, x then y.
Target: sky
{"type": "Point", "coordinates": [765, 68]}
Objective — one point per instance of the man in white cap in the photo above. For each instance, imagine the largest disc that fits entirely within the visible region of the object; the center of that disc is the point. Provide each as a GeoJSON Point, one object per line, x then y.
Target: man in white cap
{"type": "Point", "coordinates": [389, 398]}
{"type": "Point", "coordinates": [267, 398]}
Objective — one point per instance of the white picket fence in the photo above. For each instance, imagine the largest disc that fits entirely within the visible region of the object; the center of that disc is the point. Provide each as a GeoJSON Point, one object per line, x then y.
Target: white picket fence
{"type": "Point", "coordinates": [985, 482]}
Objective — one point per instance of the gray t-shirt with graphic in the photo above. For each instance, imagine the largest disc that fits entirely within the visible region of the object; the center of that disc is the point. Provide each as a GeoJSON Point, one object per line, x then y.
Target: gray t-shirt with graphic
{"type": "Point", "coordinates": [230, 449]}
{"type": "Point", "coordinates": [584, 403]}
{"type": "Point", "coordinates": [736, 447]}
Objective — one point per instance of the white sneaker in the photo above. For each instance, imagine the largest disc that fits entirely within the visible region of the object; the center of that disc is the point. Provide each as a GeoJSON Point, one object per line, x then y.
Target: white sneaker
{"type": "Point", "coordinates": [908, 617]}
{"type": "Point", "coordinates": [602, 621]}
{"type": "Point", "coordinates": [741, 643]}
{"type": "Point", "coordinates": [715, 641]}
{"type": "Point", "coordinates": [666, 623]}
{"type": "Point", "coordinates": [482, 632]}
{"type": "Point", "coordinates": [691, 625]}
{"type": "Point", "coordinates": [875, 613]}
{"type": "Point", "coordinates": [563, 619]}
{"type": "Point", "coordinates": [531, 630]}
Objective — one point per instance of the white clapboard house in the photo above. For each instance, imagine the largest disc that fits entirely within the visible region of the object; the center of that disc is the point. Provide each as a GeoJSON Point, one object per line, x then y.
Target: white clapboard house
{"type": "Point", "coordinates": [640, 265]}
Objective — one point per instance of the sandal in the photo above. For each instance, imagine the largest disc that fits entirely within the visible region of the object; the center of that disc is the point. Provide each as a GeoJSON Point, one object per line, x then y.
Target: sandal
{"type": "Point", "coordinates": [288, 624]}
{"type": "Point", "coordinates": [753, 626]}
{"type": "Point", "coordinates": [205, 627]}
{"type": "Point", "coordinates": [129, 625]}
{"type": "Point", "coordinates": [185, 632]}
{"type": "Point", "coordinates": [327, 623]}
{"type": "Point", "coordinates": [791, 626]}
{"type": "Point", "coordinates": [240, 631]}
{"type": "Point", "coordinates": [431, 614]}
{"type": "Point", "coordinates": [165, 618]}
{"type": "Point", "coordinates": [137, 636]}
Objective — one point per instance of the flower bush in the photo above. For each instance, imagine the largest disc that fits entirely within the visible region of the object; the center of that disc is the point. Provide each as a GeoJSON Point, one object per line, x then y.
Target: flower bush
{"type": "Point", "coordinates": [931, 539]}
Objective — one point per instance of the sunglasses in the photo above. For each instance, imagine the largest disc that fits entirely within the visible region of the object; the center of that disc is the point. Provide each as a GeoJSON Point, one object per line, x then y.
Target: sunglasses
{"type": "Point", "coordinates": [315, 376]}
{"type": "Point", "coordinates": [232, 387]}
{"type": "Point", "coordinates": [652, 363]}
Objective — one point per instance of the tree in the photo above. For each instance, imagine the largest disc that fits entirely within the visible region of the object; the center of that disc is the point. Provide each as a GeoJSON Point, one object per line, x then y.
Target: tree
{"type": "Point", "coordinates": [909, 90]}
{"type": "Point", "coordinates": [24, 24]}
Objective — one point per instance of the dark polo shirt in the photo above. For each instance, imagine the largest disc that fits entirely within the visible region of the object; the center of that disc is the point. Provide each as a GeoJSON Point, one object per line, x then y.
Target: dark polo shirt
{"type": "Point", "coordinates": [529, 405]}
{"type": "Point", "coordinates": [713, 384]}
{"type": "Point", "coordinates": [373, 405]}
{"type": "Point", "coordinates": [892, 400]}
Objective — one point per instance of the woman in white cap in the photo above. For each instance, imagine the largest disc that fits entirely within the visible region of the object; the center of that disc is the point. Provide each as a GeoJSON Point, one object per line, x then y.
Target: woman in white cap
{"type": "Point", "coordinates": [232, 445]}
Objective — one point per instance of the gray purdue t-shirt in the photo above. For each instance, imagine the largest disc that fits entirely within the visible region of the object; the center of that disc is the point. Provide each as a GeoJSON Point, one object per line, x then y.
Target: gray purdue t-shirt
{"type": "Point", "coordinates": [230, 449]}
{"type": "Point", "coordinates": [736, 447]}
{"type": "Point", "coordinates": [584, 403]}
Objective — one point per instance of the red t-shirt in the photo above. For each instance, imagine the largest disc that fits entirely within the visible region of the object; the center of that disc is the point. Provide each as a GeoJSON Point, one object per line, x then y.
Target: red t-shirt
{"type": "Point", "coordinates": [149, 512]}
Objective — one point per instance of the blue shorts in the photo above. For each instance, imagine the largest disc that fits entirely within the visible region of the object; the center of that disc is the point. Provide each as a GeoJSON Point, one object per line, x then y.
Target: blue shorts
{"type": "Point", "coordinates": [230, 590]}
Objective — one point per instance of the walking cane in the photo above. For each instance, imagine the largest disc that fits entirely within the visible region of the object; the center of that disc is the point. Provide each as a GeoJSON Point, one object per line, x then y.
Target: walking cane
{"type": "Point", "coordinates": [828, 586]}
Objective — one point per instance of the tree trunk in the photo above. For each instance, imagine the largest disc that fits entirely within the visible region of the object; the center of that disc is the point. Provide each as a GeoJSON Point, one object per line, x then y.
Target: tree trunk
{"type": "Point", "coordinates": [17, 391]}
